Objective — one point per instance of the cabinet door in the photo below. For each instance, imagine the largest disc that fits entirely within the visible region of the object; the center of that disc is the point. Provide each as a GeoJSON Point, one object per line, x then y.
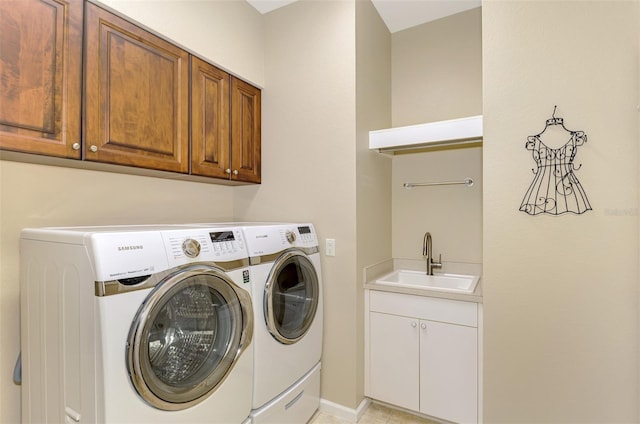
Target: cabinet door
{"type": "Point", "coordinates": [210, 152]}
{"type": "Point", "coordinates": [137, 96]}
{"type": "Point", "coordinates": [245, 131]}
{"type": "Point", "coordinates": [40, 76]}
{"type": "Point", "coordinates": [449, 371]}
{"type": "Point", "coordinates": [394, 360]}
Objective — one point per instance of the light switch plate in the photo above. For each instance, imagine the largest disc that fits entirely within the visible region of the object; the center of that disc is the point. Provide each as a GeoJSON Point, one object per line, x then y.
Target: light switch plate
{"type": "Point", "coordinates": [330, 247]}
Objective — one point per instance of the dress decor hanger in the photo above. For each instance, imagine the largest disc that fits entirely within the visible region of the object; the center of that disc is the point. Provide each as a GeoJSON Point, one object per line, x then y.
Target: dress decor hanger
{"type": "Point", "coordinates": [554, 121]}
{"type": "Point", "coordinates": [555, 189]}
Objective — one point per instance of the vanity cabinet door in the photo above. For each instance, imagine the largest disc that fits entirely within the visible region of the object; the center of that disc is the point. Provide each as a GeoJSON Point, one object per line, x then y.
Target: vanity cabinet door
{"type": "Point", "coordinates": [449, 371]}
{"type": "Point", "coordinates": [41, 76]}
{"type": "Point", "coordinates": [394, 360]}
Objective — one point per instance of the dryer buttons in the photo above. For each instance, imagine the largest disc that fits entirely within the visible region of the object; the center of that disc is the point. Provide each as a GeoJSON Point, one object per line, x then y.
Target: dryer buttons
{"type": "Point", "coordinates": [291, 236]}
{"type": "Point", "coordinates": [191, 248]}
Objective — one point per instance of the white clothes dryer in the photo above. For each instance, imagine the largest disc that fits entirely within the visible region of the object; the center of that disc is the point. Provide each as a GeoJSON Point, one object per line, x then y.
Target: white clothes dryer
{"type": "Point", "coordinates": [286, 280]}
{"type": "Point", "coordinates": [144, 324]}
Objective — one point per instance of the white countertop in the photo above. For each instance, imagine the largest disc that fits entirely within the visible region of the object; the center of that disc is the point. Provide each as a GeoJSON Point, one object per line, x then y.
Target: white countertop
{"type": "Point", "coordinates": [371, 273]}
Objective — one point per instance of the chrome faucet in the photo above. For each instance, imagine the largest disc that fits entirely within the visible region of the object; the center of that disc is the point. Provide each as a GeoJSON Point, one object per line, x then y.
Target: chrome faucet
{"type": "Point", "coordinates": [427, 252]}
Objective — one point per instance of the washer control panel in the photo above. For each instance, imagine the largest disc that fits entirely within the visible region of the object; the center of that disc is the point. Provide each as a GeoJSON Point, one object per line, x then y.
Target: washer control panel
{"type": "Point", "coordinates": [206, 244]}
{"type": "Point", "coordinates": [137, 251]}
{"type": "Point", "coordinates": [227, 242]}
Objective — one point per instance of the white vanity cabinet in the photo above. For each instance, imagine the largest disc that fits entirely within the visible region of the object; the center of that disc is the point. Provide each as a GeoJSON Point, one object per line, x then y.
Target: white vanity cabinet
{"type": "Point", "coordinates": [422, 354]}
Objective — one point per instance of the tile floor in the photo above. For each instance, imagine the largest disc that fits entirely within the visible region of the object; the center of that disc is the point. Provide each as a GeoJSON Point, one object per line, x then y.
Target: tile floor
{"type": "Point", "coordinates": [374, 414]}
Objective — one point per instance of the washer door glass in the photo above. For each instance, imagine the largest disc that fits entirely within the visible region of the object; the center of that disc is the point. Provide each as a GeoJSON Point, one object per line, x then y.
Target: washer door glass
{"type": "Point", "coordinates": [187, 336]}
{"type": "Point", "coordinates": [291, 297]}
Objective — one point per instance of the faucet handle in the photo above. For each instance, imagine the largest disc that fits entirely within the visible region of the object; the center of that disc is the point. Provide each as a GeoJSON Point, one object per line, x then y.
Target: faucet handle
{"type": "Point", "coordinates": [439, 263]}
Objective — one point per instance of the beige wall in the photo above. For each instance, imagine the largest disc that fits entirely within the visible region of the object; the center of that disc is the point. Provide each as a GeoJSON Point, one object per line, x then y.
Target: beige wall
{"type": "Point", "coordinates": [308, 149]}
{"type": "Point", "coordinates": [317, 171]}
{"type": "Point", "coordinates": [38, 195]}
{"type": "Point", "coordinates": [452, 214]}
{"type": "Point", "coordinates": [373, 171]}
{"type": "Point", "coordinates": [436, 75]}
{"type": "Point", "coordinates": [560, 292]}
{"type": "Point", "coordinates": [437, 70]}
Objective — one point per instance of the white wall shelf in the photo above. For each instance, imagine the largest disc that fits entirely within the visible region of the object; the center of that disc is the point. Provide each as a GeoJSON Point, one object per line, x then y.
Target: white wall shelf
{"type": "Point", "coordinates": [453, 132]}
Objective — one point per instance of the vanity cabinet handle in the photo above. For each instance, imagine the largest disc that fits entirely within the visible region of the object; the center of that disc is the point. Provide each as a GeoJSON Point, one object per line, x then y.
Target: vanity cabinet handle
{"type": "Point", "coordinates": [423, 326]}
{"type": "Point", "coordinates": [414, 324]}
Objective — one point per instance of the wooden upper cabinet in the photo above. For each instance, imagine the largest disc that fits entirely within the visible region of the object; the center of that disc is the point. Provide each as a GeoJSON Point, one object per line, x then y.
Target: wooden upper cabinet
{"type": "Point", "coordinates": [136, 95]}
{"type": "Point", "coordinates": [210, 150]}
{"type": "Point", "coordinates": [40, 76]}
{"type": "Point", "coordinates": [225, 125]}
{"type": "Point", "coordinates": [245, 132]}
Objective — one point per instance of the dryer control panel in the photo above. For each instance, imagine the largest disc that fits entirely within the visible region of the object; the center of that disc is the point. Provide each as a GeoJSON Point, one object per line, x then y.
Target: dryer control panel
{"type": "Point", "coordinates": [269, 239]}
{"type": "Point", "coordinates": [302, 234]}
{"type": "Point", "coordinates": [307, 235]}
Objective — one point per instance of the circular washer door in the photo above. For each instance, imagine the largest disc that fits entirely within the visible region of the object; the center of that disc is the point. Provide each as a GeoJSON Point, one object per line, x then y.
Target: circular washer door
{"type": "Point", "coordinates": [291, 297]}
{"type": "Point", "coordinates": [187, 336]}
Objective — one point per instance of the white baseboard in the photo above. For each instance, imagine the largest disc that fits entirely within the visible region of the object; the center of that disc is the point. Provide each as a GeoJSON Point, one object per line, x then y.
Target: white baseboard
{"type": "Point", "coordinates": [348, 414]}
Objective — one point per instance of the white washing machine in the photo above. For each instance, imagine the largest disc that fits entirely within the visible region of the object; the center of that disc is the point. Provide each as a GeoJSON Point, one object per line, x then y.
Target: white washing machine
{"type": "Point", "coordinates": [144, 324]}
{"type": "Point", "coordinates": [287, 293]}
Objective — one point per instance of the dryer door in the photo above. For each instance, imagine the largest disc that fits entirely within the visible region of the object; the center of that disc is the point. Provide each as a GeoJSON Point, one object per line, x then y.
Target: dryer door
{"type": "Point", "coordinates": [187, 336]}
{"type": "Point", "coordinates": [291, 297]}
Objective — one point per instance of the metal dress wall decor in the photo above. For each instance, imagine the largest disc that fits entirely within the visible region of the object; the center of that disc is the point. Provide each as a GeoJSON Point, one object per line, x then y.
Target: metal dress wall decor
{"type": "Point", "coordinates": [555, 189]}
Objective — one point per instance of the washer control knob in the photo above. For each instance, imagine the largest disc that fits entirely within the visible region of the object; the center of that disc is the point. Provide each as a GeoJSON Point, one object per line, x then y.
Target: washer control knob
{"type": "Point", "coordinates": [191, 248]}
{"type": "Point", "coordinates": [291, 236]}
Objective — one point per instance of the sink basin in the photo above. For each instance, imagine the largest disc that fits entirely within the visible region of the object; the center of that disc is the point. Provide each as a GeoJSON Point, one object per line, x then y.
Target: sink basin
{"type": "Point", "coordinates": [456, 283]}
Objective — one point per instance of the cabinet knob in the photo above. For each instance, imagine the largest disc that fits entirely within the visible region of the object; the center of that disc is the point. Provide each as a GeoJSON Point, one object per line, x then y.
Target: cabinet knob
{"type": "Point", "coordinates": [75, 146]}
{"type": "Point", "coordinates": [227, 171]}
{"type": "Point", "coordinates": [235, 172]}
{"type": "Point", "coordinates": [414, 324]}
{"type": "Point", "coordinates": [93, 148]}
{"type": "Point", "coordinates": [423, 326]}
